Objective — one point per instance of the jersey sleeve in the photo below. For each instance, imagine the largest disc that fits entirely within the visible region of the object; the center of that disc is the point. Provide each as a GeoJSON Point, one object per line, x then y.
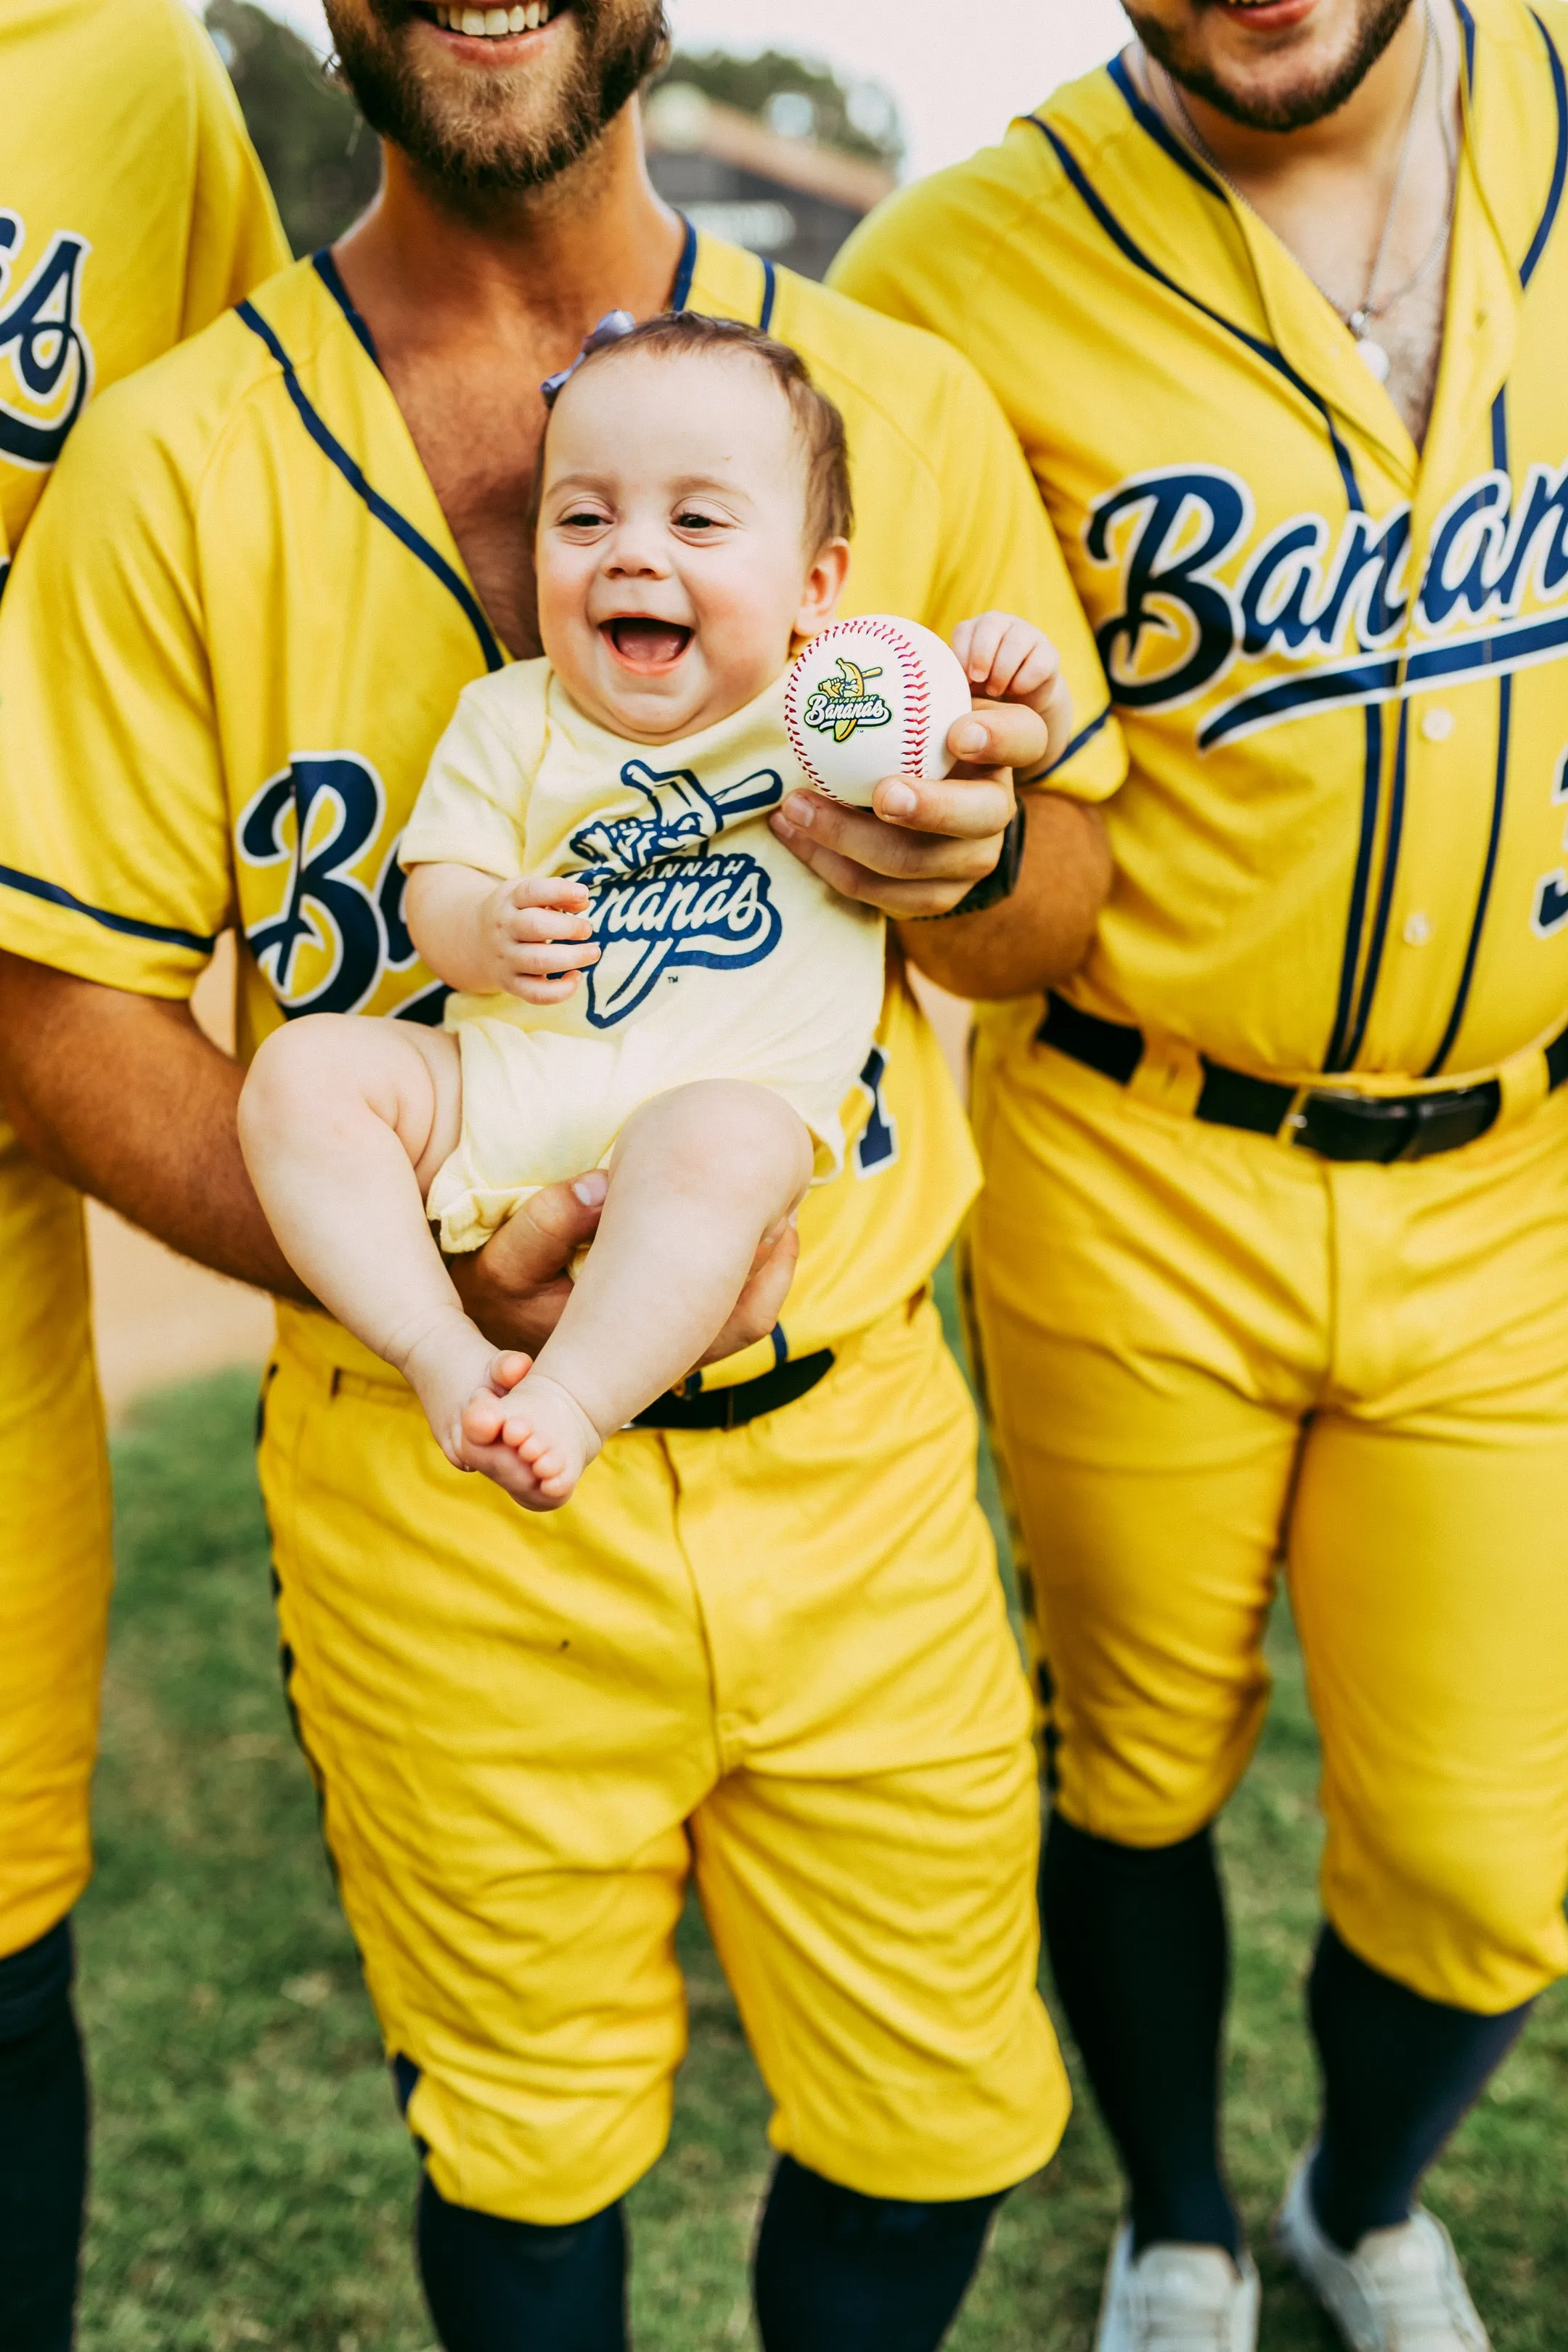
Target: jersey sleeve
{"type": "Point", "coordinates": [236, 237]}
{"type": "Point", "coordinates": [114, 853]}
{"type": "Point", "coordinates": [473, 804]}
{"type": "Point", "coordinates": [1000, 553]}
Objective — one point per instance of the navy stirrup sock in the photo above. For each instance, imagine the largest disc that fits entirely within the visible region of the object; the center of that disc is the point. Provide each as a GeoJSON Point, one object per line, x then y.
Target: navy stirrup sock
{"type": "Point", "coordinates": [43, 2146]}
{"type": "Point", "coordinates": [836, 2272]}
{"type": "Point", "coordinates": [1140, 1952]}
{"type": "Point", "coordinates": [495, 2286]}
{"type": "Point", "coordinates": [1399, 2071]}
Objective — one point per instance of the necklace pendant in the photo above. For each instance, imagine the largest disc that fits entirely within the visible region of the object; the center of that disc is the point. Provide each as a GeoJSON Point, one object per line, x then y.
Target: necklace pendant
{"type": "Point", "coordinates": [1373, 358]}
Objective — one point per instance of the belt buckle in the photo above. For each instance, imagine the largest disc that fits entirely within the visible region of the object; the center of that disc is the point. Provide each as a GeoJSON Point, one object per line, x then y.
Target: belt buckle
{"type": "Point", "coordinates": [1340, 1125]}
{"type": "Point", "coordinates": [1447, 1122]}
{"type": "Point", "coordinates": [1381, 1130]}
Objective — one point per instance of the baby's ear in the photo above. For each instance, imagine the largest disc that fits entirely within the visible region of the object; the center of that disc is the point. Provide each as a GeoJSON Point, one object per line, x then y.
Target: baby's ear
{"type": "Point", "coordinates": [823, 587]}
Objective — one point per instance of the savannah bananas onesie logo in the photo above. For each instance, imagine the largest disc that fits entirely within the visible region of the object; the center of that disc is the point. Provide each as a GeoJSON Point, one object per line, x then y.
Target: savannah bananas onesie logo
{"type": "Point", "coordinates": [837, 706]}
{"type": "Point", "coordinates": [665, 898]}
{"type": "Point", "coordinates": [45, 361]}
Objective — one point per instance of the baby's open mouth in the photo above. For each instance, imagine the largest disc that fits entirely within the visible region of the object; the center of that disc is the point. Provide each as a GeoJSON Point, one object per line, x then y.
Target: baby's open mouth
{"type": "Point", "coordinates": [644, 643]}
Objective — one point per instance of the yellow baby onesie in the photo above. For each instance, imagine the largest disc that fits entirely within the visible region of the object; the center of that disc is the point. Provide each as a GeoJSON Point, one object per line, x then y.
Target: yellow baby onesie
{"type": "Point", "coordinates": [721, 955]}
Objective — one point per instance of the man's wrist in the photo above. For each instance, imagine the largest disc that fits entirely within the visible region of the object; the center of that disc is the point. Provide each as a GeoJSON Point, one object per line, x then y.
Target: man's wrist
{"type": "Point", "coordinates": [1000, 883]}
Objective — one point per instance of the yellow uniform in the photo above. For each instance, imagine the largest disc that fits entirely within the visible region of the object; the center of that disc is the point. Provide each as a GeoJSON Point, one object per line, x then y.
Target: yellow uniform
{"type": "Point", "coordinates": [132, 212]}
{"type": "Point", "coordinates": [1341, 870]}
{"type": "Point", "coordinates": [785, 1639]}
{"type": "Point", "coordinates": [721, 955]}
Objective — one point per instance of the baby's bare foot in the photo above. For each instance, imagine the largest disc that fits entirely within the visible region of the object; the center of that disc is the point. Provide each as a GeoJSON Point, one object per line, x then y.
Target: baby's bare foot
{"type": "Point", "coordinates": [442, 1364]}
{"type": "Point", "coordinates": [537, 1441]}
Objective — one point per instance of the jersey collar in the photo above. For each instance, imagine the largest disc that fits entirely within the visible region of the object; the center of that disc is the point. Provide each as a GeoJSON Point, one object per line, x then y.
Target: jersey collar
{"type": "Point", "coordinates": [1173, 212]}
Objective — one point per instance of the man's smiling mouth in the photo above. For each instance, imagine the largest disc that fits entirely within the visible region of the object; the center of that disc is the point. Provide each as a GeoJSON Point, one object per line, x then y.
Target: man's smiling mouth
{"type": "Point", "coordinates": [645, 644]}
{"type": "Point", "coordinates": [491, 24]}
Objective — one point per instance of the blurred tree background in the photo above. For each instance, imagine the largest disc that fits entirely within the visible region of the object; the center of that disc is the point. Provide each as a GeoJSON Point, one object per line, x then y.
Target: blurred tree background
{"type": "Point", "coordinates": [324, 165]}
{"type": "Point", "coordinates": [799, 99]}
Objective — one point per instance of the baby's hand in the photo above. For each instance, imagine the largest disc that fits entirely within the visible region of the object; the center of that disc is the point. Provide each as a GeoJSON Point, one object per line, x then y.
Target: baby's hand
{"type": "Point", "coordinates": [526, 926]}
{"type": "Point", "coordinates": [1009, 660]}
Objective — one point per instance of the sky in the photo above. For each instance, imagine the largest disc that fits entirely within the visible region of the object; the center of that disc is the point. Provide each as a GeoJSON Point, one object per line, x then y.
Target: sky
{"type": "Point", "coordinates": [959, 69]}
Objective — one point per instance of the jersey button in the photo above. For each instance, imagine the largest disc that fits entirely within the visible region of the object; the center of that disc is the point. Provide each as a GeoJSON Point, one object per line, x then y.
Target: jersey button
{"type": "Point", "coordinates": [1436, 724]}
{"type": "Point", "coordinates": [1417, 931]}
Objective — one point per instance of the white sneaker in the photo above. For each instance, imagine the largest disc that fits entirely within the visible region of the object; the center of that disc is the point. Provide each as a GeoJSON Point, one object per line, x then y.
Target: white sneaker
{"type": "Point", "coordinates": [1401, 2290]}
{"type": "Point", "coordinates": [1177, 2299]}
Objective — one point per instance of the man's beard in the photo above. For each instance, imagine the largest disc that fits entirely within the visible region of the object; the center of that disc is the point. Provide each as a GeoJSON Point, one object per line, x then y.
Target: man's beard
{"type": "Point", "coordinates": [512, 130]}
{"type": "Point", "coordinates": [1292, 112]}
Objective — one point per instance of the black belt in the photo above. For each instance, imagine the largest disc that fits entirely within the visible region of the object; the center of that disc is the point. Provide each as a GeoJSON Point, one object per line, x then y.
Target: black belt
{"type": "Point", "coordinates": [1329, 1120]}
{"type": "Point", "coordinates": [732, 1408]}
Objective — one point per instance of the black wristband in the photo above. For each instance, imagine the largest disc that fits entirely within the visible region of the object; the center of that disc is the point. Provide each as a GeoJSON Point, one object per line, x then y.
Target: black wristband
{"type": "Point", "coordinates": [999, 883]}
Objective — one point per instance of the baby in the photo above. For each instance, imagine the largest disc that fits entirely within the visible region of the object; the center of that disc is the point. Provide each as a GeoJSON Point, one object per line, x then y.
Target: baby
{"type": "Point", "coordinates": [644, 978]}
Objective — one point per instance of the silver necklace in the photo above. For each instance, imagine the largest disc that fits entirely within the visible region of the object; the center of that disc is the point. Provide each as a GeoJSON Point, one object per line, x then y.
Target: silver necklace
{"type": "Point", "coordinates": [1361, 316]}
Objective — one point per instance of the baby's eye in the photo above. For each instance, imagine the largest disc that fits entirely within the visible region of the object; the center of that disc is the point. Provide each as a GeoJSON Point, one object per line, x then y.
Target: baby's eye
{"type": "Point", "coordinates": [582, 518]}
{"type": "Point", "coordinates": [692, 519]}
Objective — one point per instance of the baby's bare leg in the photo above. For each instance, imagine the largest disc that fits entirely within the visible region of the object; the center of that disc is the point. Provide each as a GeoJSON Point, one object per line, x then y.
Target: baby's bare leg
{"type": "Point", "coordinates": [343, 1123]}
{"type": "Point", "coordinates": [698, 1176]}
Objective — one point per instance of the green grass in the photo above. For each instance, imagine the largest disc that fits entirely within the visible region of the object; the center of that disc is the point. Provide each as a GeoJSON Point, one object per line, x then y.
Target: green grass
{"type": "Point", "coordinates": [252, 2184]}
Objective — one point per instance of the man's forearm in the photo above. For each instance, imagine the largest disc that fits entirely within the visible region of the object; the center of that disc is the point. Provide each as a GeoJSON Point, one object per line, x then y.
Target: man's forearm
{"type": "Point", "coordinates": [1043, 931]}
{"type": "Point", "coordinates": [124, 1097]}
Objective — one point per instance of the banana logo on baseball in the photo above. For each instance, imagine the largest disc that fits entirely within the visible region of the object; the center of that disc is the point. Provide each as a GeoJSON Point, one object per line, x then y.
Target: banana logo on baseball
{"type": "Point", "coordinates": [847, 734]}
{"type": "Point", "coordinates": [837, 706]}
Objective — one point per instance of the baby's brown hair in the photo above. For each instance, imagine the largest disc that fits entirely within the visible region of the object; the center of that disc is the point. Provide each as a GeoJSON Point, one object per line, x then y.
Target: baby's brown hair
{"type": "Point", "coordinates": [830, 504]}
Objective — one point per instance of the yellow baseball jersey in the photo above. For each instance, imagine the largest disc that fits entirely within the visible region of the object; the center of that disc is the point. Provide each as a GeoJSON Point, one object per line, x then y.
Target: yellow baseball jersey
{"type": "Point", "coordinates": [721, 955]}
{"type": "Point", "coordinates": [1337, 659]}
{"type": "Point", "coordinates": [132, 210]}
{"type": "Point", "coordinates": [242, 623]}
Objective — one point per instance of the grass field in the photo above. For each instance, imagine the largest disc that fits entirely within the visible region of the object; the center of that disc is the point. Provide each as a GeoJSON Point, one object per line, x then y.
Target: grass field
{"type": "Point", "coordinates": [252, 2184]}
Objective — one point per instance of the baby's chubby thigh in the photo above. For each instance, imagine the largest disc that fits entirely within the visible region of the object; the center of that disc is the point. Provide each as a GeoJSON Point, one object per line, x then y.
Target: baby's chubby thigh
{"type": "Point", "coordinates": [315, 1080]}
{"type": "Point", "coordinates": [716, 1140]}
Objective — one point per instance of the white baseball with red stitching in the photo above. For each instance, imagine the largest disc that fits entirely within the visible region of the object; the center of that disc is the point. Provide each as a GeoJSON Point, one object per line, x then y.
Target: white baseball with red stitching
{"type": "Point", "coordinates": [870, 699]}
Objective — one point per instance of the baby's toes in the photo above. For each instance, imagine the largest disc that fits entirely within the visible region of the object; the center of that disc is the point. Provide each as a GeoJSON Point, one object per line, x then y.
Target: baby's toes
{"type": "Point", "coordinates": [508, 1369]}
{"type": "Point", "coordinates": [484, 1416]}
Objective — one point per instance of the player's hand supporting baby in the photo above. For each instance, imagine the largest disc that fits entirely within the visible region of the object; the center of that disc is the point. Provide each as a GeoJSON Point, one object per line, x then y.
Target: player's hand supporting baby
{"type": "Point", "coordinates": [516, 1286]}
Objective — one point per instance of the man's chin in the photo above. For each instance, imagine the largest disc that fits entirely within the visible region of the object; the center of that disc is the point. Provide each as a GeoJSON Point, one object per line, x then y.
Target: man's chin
{"type": "Point", "coordinates": [479, 114]}
{"type": "Point", "coordinates": [1276, 69]}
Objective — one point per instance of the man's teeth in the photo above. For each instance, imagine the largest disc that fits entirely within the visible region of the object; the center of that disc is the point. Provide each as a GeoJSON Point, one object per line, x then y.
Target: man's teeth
{"type": "Point", "coordinates": [493, 23]}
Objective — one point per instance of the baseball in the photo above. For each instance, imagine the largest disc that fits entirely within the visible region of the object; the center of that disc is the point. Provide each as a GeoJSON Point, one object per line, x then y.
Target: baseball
{"type": "Point", "coordinates": [870, 699]}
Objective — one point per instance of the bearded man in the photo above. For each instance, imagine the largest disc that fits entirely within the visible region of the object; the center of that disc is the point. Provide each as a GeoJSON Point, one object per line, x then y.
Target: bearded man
{"type": "Point", "coordinates": [766, 1641]}
{"type": "Point", "coordinates": [1273, 1257]}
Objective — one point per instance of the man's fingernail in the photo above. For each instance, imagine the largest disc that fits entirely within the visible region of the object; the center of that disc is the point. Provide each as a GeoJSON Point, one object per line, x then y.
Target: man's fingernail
{"type": "Point", "coordinates": [897, 800]}
{"type": "Point", "coordinates": [969, 737]}
{"type": "Point", "coordinates": [591, 1188]}
{"type": "Point", "coordinates": [796, 810]}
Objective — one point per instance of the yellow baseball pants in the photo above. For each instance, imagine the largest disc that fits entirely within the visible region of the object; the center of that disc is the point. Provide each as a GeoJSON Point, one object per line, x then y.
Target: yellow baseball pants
{"type": "Point", "coordinates": [1206, 1351]}
{"type": "Point", "coordinates": [54, 1561]}
{"type": "Point", "coordinates": [776, 1657]}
